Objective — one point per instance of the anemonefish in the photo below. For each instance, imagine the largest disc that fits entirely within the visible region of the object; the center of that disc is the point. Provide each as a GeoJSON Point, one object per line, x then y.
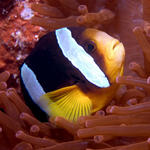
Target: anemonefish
{"type": "Point", "coordinates": [71, 72]}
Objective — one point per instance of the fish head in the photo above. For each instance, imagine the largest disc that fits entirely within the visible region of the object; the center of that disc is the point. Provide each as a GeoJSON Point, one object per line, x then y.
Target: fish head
{"type": "Point", "coordinates": [107, 51]}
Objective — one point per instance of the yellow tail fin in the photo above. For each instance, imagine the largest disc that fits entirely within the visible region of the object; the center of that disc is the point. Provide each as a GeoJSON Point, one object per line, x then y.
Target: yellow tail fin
{"type": "Point", "coordinates": [68, 102]}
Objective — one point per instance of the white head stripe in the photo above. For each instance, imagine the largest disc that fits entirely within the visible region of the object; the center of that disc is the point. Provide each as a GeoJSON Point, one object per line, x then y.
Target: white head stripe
{"type": "Point", "coordinates": [80, 58]}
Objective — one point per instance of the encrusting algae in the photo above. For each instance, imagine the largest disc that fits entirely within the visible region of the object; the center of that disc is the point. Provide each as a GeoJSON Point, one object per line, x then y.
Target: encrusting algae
{"type": "Point", "coordinates": [123, 125]}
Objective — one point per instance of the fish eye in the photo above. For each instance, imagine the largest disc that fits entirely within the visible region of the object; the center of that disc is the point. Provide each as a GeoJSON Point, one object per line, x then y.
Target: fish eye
{"type": "Point", "coordinates": [90, 46]}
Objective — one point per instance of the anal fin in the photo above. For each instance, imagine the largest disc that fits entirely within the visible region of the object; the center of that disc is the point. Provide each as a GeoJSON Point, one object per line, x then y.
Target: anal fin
{"type": "Point", "coordinates": [68, 102]}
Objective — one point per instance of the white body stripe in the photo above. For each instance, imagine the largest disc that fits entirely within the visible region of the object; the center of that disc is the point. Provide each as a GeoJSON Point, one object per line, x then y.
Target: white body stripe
{"type": "Point", "coordinates": [31, 83]}
{"type": "Point", "coordinates": [80, 58]}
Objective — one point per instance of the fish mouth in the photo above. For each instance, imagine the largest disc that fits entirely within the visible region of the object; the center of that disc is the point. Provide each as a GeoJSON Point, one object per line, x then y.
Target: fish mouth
{"type": "Point", "coordinates": [116, 45]}
{"type": "Point", "coordinates": [118, 52]}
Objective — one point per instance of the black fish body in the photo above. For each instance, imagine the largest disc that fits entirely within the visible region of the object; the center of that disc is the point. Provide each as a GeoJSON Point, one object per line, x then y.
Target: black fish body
{"type": "Point", "coordinates": [52, 70]}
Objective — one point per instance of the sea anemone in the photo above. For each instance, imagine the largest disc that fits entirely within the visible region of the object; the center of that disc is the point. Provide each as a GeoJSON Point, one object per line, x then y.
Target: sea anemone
{"type": "Point", "coordinates": [124, 124]}
{"type": "Point", "coordinates": [58, 14]}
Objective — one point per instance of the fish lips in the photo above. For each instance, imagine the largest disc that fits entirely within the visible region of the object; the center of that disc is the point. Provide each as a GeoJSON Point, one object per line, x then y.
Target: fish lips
{"type": "Point", "coordinates": [116, 52]}
{"type": "Point", "coordinates": [119, 53]}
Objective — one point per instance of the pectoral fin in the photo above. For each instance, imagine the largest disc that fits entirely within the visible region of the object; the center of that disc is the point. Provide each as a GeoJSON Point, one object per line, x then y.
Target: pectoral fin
{"type": "Point", "coordinates": [68, 102]}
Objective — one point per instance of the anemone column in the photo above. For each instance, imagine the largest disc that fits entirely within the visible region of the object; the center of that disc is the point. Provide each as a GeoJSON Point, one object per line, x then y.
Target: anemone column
{"type": "Point", "coordinates": [146, 10]}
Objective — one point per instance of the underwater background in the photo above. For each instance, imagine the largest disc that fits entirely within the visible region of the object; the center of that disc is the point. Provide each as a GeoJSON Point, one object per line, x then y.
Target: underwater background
{"type": "Point", "coordinates": [124, 123]}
